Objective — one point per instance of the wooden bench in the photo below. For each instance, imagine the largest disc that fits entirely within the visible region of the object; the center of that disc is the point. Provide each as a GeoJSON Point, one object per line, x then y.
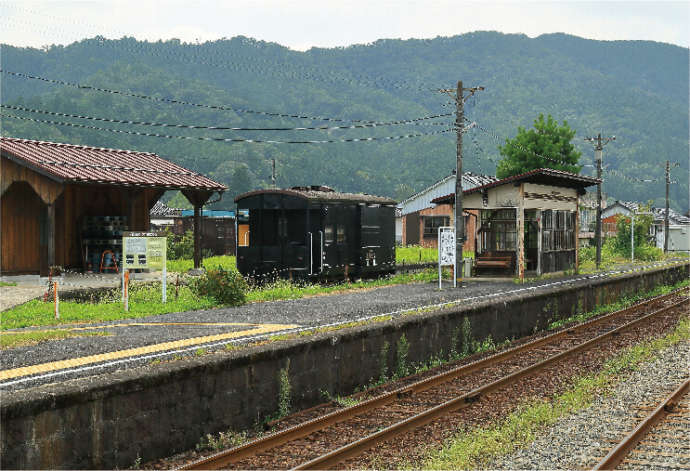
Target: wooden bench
{"type": "Point", "coordinates": [494, 261]}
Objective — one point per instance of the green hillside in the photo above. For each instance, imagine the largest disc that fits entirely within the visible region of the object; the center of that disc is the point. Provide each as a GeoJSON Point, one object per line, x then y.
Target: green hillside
{"type": "Point", "coordinates": [636, 90]}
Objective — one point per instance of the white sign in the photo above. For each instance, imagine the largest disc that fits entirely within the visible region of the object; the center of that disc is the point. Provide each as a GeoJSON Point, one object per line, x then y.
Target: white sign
{"type": "Point", "coordinates": [446, 251]}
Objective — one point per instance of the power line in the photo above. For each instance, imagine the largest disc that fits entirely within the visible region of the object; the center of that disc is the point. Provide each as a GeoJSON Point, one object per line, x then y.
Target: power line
{"type": "Point", "coordinates": [220, 139]}
{"type": "Point", "coordinates": [178, 102]}
{"type": "Point", "coordinates": [414, 121]}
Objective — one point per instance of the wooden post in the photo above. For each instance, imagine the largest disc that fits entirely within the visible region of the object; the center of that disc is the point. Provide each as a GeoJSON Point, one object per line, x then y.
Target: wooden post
{"type": "Point", "coordinates": [577, 235]}
{"type": "Point", "coordinates": [51, 234]}
{"type": "Point", "coordinates": [539, 241]}
{"type": "Point", "coordinates": [197, 236]}
{"type": "Point", "coordinates": [521, 233]}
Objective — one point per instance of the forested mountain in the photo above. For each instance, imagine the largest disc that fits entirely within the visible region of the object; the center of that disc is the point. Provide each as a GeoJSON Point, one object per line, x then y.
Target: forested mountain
{"type": "Point", "coordinates": [635, 90]}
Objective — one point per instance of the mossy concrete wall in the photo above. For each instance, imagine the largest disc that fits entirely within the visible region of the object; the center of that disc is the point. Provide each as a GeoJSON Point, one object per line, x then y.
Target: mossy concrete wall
{"type": "Point", "coordinates": [112, 420]}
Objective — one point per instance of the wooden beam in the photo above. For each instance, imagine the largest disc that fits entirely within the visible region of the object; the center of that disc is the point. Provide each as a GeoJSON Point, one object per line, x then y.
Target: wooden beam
{"type": "Point", "coordinates": [521, 233]}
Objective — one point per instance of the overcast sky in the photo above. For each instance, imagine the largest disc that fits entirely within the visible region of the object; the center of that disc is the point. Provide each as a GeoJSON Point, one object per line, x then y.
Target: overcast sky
{"type": "Point", "coordinates": [326, 23]}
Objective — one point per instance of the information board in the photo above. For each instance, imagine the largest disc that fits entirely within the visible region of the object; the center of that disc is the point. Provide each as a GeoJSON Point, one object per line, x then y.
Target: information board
{"type": "Point", "coordinates": [144, 250]}
{"type": "Point", "coordinates": [446, 252]}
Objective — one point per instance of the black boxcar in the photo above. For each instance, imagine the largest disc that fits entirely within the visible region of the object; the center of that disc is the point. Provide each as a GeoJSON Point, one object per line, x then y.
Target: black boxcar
{"type": "Point", "coordinates": [315, 232]}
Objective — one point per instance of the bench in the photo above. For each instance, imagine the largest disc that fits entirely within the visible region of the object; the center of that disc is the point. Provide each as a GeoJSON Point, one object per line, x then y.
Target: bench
{"type": "Point", "coordinates": [485, 261]}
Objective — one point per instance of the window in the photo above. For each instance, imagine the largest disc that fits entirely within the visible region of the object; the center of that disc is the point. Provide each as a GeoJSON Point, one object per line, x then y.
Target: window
{"type": "Point", "coordinates": [341, 234]}
{"type": "Point", "coordinates": [432, 223]}
{"type": "Point", "coordinates": [558, 230]}
{"type": "Point", "coordinates": [328, 234]}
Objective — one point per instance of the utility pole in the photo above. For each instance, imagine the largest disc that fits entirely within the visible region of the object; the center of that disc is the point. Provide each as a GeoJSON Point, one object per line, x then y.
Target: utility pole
{"type": "Point", "coordinates": [668, 182]}
{"type": "Point", "coordinates": [460, 237]}
{"type": "Point", "coordinates": [273, 172]}
{"type": "Point", "coordinates": [598, 148]}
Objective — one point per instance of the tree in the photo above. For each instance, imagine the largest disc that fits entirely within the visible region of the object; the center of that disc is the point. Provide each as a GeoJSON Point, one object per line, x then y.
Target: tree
{"type": "Point", "coordinates": [548, 139]}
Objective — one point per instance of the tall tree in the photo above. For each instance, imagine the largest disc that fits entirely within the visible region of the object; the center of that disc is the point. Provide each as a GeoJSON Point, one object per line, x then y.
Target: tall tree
{"type": "Point", "coordinates": [546, 146]}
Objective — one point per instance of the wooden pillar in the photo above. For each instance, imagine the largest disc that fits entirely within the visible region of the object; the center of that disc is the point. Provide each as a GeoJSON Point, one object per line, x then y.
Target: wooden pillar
{"type": "Point", "coordinates": [577, 234]}
{"type": "Point", "coordinates": [47, 239]}
{"type": "Point", "coordinates": [521, 234]}
{"type": "Point", "coordinates": [197, 236]}
{"type": "Point", "coordinates": [539, 241]}
{"type": "Point", "coordinates": [198, 198]}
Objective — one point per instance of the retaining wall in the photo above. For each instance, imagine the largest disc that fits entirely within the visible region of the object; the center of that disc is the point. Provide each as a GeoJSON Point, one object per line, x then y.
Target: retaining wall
{"type": "Point", "coordinates": [110, 421]}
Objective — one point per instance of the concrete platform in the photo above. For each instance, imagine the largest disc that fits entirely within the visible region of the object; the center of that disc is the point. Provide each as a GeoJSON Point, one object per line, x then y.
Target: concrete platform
{"type": "Point", "coordinates": [106, 413]}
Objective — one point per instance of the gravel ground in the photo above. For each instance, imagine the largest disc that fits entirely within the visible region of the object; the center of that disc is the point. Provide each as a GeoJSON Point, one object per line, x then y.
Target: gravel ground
{"type": "Point", "coordinates": [306, 312]}
{"type": "Point", "coordinates": [581, 440]}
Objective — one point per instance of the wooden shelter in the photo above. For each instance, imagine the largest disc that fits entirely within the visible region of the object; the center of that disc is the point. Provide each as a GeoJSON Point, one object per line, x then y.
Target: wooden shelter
{"type": "Point", "coordinates": [49, 192]}
{"type": "Point", "coordinates": [526, 222]}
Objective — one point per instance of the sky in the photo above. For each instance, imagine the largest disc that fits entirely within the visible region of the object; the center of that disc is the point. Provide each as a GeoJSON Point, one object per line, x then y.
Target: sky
{"type": "Point", "coordinates": [303, 24]}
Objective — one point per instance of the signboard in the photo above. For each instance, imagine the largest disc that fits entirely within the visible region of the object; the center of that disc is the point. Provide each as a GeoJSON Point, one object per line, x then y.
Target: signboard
{"type": "Point", "coordinates": [446, 251]}
{"type": "Point", "coordinates": [144, 250]}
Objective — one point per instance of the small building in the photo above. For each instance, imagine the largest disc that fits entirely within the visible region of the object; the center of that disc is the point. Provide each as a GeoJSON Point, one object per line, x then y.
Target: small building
{"type": "Point", "coordinates": [527, 222]}
{"type": "Point", "coordinates": [162, 217]}
{"type": "Point", "coordinates": [678, 230]}
{"type": "Point", "coordinates": [217, 230]}
{"type": "Point", "coordinates": [314, 232]}
{"type": "Point", "coordinates": [66, 205]}
{"type": "Point", "coordinates": [421, 217]}
{"type": "Point", "coordinates": [609, 216]}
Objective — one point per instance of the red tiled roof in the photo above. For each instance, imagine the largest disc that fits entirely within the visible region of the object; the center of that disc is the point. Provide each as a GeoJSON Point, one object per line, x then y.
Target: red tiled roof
{"type": "Point", "coordinates": [74, 163]}
{"type": "Point", "coordinates": [540, 175]}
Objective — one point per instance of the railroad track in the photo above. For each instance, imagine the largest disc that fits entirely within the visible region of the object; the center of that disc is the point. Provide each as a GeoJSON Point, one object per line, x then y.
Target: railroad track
{"type": "Point", "coordinates": [329, 440]}
{"type": "Point", "coordinates": [661, 440]}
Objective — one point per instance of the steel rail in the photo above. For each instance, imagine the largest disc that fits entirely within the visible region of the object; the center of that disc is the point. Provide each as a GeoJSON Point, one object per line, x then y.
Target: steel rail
{"type": "Point", "coordinates": [353, 449]}
{"type": "Point", "coordinates": [621, 451]}
{"type": "Point", "coordinates": [224, 458]}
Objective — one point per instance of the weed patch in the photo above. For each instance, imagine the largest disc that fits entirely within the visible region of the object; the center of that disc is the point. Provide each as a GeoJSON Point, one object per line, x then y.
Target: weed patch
{"type": "Point", "coordinates": [477, 447]}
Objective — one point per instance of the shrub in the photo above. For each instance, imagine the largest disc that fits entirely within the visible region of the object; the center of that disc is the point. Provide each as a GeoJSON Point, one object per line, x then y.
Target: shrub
{"type": "Point", "coordinates": [180, 247]}
{"type": "Point", "coordinates": [225, 286]}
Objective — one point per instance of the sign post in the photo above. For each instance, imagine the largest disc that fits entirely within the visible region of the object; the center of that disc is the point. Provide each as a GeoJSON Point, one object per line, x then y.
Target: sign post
{"type": "Point", "coordinates": [446, 253]}
{"type": "Point", "coordinates": [146, 250]}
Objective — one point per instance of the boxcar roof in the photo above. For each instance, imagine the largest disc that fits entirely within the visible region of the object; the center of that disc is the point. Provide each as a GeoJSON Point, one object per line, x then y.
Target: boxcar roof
{"type": "Point", "coordinates": [84, 164]}
{"type": "Point", "coordinates": [320, 193]}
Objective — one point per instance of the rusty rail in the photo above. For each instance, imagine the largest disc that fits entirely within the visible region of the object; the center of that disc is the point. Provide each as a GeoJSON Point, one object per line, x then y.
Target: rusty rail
{"type": "Point", "coordinates": [620, 451]}
{"type": "Point", "coordinates": [332, 458]}
{"type": "Point", "coordinates": [224, 458]}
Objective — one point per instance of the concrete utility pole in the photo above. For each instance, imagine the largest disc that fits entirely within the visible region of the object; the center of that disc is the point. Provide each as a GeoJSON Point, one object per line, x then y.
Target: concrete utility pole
{"type": "Point", "coordinates": [668, 182]}
{"type": "Point", "coordinates": [598, 148]}
{"type": "Point", "coordinates": [460, 237]}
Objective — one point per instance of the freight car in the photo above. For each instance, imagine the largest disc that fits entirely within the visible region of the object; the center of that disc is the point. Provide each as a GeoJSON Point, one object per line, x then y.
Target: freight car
{"type": "Point", "coordinates": [314, 232]}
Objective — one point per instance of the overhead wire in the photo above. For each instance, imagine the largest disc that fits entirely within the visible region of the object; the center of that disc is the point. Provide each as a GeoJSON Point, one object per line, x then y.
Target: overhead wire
{"type": "Point", "coordinates": [414, 121]}
{"type": "Point", "coordinates": [220, 139]}
{"type": "Point", "coordinates": [179, 102]}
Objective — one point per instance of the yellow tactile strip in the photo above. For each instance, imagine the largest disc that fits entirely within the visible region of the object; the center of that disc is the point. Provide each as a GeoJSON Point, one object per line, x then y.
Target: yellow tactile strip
{"type": "Point", "coordinates": [138, 324]}
{"type": "Point", "coordinates": [131, 352]}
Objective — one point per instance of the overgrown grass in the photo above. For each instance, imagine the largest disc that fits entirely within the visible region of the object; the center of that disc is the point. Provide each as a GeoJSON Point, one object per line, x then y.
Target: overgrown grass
{"type": "Point", "coordinates": [144, 301]}
{"type": "Point", "coordinates": [410, 255]}
{"type": "Point", "coordinates": [226, 262]}
{"type": "Point", "coordinates": [477, 447]}
{"type": "Point", "coordinates": [285, 289]}
{"type": "Point", "coordinates": [21, 339]}
{"type": "Point", "coordinates": [622, 303]}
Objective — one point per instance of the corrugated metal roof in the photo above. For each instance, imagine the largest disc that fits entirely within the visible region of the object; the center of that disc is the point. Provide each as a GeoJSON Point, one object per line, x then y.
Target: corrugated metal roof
{"type": "Point", "coordinates": [75, 163]}
{"type": "Point", "coordinates": [321, 195]}
{"type": "Point", "coordinates": [424, 199]}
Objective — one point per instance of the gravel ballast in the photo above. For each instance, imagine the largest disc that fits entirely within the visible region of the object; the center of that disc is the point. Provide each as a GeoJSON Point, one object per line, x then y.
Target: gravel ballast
{"type": "Point", "coordinates": [579, 441]}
